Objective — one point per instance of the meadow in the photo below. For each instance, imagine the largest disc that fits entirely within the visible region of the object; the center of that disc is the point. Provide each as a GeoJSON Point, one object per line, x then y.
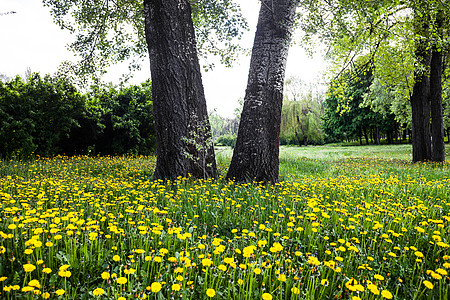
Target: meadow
{"type": "Point", "coordinates": [344, 223]}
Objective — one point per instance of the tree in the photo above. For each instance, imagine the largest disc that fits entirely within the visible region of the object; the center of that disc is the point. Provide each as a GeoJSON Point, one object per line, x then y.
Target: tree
{"type": "Point", "coordinates": [37, 115]}
{"type": "Point", "coordinates": [167, 29]}
{"type": "Point", "coordinates": [354, 108]}
{"type": "Point", "coordinates": [361, 27]}
{"type": "Point", "coordinates": [420, 105]}
{"type": "Point", "coordinates": [436, 69]}
{"type": "Point", "coordinates": [256, 155]}
{"type": "Point", "coordinates": [179, 100]}
{"type": "Point", "coordinates": [301, 114]}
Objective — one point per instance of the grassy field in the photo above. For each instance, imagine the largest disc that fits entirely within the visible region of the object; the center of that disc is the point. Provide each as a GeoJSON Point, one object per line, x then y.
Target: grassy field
{"type": "Point", "coordinates": [344, 223]}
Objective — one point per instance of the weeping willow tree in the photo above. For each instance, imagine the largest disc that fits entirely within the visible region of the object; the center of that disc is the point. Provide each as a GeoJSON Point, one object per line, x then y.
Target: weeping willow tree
{"type": "Point", "coordinates": [301, 114]}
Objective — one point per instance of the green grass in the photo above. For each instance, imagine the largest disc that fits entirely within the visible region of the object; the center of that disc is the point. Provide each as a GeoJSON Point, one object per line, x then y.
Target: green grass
{"type": "Point", "coordinates": [344, 223]}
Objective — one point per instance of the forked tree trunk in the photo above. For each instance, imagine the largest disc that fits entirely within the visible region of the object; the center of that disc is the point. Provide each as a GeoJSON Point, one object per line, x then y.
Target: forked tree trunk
{"type": "Point", "coordinates": [437, 118]}
{"type": "Point", "coordinates": [179, 105]}
{"type": "Point", "coordinates": [420, 106]}
{"type": "Point", "coordinates": [256, 155]}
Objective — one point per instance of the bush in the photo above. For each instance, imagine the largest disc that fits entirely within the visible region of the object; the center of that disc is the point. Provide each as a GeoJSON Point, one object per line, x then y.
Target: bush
{"type": "Point", "coordinates": [226, 140]}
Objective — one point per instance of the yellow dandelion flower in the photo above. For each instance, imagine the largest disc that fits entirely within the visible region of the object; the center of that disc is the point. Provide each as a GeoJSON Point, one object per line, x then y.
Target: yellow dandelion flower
{"type": "Point", "coordinates": [378, 277]}
{"type": "Point", "coordinates": [156, 287]}
{"type": "Point", "coordinates": [98, 292]}
{"type": "Point", "coordinates": [60, 292]}
{"type": "Point", "coordinates": [121, 280]}
{"type": "Point", "coordinates": [386, 294]}
{"type": "Point", "coordinates": [210, 293]}
{"type": "Point", "coordinates": [29, 267]}
{"type": "Point", "coordinates": [267, 296]}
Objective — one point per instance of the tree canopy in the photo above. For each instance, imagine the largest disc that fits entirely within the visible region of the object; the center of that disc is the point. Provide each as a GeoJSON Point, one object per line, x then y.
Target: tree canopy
{"type": "Point", "coordinates": [111, 31]}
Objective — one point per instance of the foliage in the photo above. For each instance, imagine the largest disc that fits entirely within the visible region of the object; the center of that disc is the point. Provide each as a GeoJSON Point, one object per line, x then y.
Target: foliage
{"type": "Point", "coordinates": [86, 227]}
{"type": "Point", "coordinates": [222, 126]}
{"type": "Point", "coordinates": [348, 114]}
{"type": "Point", "coordinates": [385, 32]}
{"type": "Point", "coordinates": [109, 31]}
{"type": "Point", "coordinates": [37, 115]}
{"type": "Point", "coordinates": [125, 119]}
{"type": "Point", "coordinates": [227, 140]}
{"type": "Point", "coordinates": [48, 116]}
{"type": "Point", "coordinates": [301, 114]}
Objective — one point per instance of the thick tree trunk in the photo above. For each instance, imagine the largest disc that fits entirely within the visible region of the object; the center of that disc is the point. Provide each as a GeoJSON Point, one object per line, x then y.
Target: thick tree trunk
{"type": "Point", "coordinates": [420, 106]}
{"type": "Point", "coordinates": [437, 118]}
{"type": "Point", "coordinates": [256, 156]}
{"type": "Point", "coordinates": [366, 136]}
{"type": "Point", "coordinates": [179, 105]}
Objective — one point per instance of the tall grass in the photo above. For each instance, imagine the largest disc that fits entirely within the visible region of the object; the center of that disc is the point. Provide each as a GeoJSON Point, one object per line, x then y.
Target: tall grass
{"type": "Point", "coordinates": [341, 225]}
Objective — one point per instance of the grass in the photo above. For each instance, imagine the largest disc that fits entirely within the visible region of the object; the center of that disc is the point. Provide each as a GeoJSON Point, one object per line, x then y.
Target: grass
{"type": "Point", "coordinates": [345, 223]}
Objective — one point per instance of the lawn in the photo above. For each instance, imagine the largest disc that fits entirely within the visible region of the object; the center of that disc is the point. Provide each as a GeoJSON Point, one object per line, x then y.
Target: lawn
{"type": "Point", "coordinates": [344, 223]}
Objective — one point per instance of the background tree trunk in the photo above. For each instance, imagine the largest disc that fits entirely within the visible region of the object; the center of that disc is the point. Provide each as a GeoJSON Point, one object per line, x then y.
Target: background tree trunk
{"type": "Point", "coordinates": [256, 155]}
{"type": "Point", "coordinates": [179, 104]}
{"type": "Point", "coordinates": [420, 106]}
{"type": "Point", "coordinates": [437, 118]}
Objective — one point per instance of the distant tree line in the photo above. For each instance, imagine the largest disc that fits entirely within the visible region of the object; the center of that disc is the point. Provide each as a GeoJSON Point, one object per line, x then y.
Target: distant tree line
{"type": "Point", "coordinates": [48, 116]}
{"type": "Point", "coordinates": [360, 107]}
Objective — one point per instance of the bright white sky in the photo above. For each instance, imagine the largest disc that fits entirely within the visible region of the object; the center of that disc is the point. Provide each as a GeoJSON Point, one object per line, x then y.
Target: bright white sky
{"type": "Point", "coordinates": [30, 39]}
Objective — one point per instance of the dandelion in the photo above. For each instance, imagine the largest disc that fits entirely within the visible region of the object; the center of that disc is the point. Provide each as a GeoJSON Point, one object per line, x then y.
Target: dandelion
{"type": "Point", "coordinates": [27, 289]}
{"type": "Point", "coordinates": [441, 271]}
{"type": "Point", "coordinates": [324, 282]}
{"type": "Point", "coordinates": [210, 293]}
{"type": "Point", "coordinates": [267, 296]}
{"type": "Point", "coordinates": [378, 277]}
{"type": "Point", "coordinates": [156, 287]}
{"type": "Point", "coordinates": [373, 289]}
{"type": "Point", "coordinates": [176, 287]}
{"type": "Point", "coordinates": [295, 290]}
{"type": "Point", "coordinates": [98, 292]}
{"type": "Point", "coordinates": [60, 292]}
{"type": "Point", "coordinates": [106, 275]}
{"type": "Point", "coordinates": [35, 283]}
{"type": "Point", "coordinates": [206, 262]}
{"type": "Point", "coordinates": [257, 271]}
{"type": "Point", "coordinates": [386, 294]}
{"type": "Point", "coordinates": [121, 280]}
{"type": "Point", "coordinates": [29, 267]}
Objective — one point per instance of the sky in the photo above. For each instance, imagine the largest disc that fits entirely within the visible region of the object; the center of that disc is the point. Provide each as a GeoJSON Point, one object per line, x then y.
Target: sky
{"type": "Point", "coordinates": [30, 39]}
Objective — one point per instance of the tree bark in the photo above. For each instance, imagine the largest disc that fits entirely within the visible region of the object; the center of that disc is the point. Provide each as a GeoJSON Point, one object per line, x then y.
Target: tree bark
{"type": "Point", "coordinates": [421, 138]}
{"type": "Point", "coordinates": [437, 111]}
{"type": "Point", "coordinates": [256, 156]}
{"type": "Point", "coordinates": [179, 105]}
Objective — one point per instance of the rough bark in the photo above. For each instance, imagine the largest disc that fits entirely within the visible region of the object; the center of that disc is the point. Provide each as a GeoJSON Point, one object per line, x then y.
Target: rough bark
{"type": "Point", "coordinates": [179, 104]}
{"type": "Point", "coordinates": [256, 155]}
{"type": "Point", "coordinates": [437, 111]}
{"type": "Point", "coordinates": [420, 106]}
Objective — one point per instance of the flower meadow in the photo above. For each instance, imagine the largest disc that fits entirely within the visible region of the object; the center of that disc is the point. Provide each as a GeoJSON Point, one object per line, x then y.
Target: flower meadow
{"type": "Point", "coordinates": [101, 228]}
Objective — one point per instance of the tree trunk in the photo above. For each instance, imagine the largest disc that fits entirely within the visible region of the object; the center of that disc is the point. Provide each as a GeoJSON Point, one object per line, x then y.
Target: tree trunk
{"type": "Point", "coordinates": [421, 138]}
{"type": "Point", "coordinates": [437, 118]}
{"type": "Point", "coordinates": [256, 156]}
{"type": "Point", "coordinates": [366, 136]}
{"type": "Point", "coordinates": [179, 106]}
